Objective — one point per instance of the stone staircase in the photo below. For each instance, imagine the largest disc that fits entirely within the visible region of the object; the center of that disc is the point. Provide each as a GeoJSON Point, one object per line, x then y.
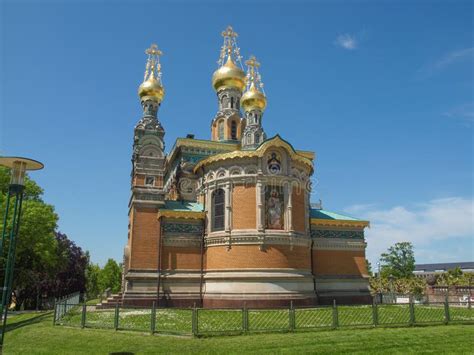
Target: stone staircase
{"type": "Point", "coordinates": [111, 301]}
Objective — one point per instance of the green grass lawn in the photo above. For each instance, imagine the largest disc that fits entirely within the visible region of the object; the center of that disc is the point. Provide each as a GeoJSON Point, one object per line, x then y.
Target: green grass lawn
{"type": "Point", "coordinates": [34, 333]}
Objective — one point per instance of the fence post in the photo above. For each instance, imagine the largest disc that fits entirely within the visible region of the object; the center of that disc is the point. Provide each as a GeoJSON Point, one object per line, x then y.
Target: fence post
{"type": "Point", "coordinates": [55, 312]}
{"type": "Point", "coordinates": [83, 316]}
{"type": "Point", "coordinates": [375, 313]}
{"type": "Point", "coordinates": [412, 311]}
{"type": "Point", "coordinates": [153, 318]}
{"type": "Point", "coordinates": [291, 316]}
{"type": "Point", "coordinates": [116, 318]}
{"type": "Point", "coordinates": [245, 318]}
{"type": "Point", "coordinates": [195, 320]}
{"type": "Point", "coordinates": [469, 300]}
{"type": "Point", "coordinates": [335, 315]}
{"type": "Point", "coordinates": [447, 317]}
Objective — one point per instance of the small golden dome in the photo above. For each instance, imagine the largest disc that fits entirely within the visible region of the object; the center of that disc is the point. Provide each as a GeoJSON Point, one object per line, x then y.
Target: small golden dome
{"type": "Point", "coordinates": [151, 88]}
{"type": "Point", "coordinates": [253, 99]}
{"type": "Point", "coordinates": [229, 76]}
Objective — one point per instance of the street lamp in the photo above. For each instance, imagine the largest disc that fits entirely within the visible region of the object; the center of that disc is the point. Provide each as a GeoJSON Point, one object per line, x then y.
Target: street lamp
{"type": "Point", "coordinates": [18, 167]}
{"type": "Point", "coordinates": [390, 279]}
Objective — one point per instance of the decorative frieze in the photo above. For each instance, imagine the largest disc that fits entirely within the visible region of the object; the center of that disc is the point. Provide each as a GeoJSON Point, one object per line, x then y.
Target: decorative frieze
{"type": "Point", "coordinates": [338, 244]}
{"type": "Point", "coordinates": [186, 228]}
{"type": "Point", "coordinates": [337, 234]}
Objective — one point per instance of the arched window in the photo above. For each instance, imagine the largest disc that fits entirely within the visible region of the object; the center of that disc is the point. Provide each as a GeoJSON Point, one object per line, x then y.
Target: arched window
{"type": "Point", "coordinates": [257, 138]}
{"type": "Point", "coordinates": [218, 200]}
{"type": "Point", "coordinates": [233, 130]}
{"type": "Point", "coordinates": [220, 130]}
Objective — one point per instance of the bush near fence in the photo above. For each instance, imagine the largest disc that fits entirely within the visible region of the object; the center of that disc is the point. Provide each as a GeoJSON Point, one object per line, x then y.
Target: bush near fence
{"type": "Point", "coordinates": [199, 322]}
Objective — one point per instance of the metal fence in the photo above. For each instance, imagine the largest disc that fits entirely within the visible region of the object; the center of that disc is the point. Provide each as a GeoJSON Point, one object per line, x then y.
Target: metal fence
{"type": "Point", "coordinates": [199, 321]}
{"type": "Point", "coordinates": [65, 305]}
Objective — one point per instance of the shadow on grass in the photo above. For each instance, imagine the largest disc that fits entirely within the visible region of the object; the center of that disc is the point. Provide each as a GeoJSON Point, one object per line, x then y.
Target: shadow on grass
{"type": "Point", "coordinates": [23, 323]}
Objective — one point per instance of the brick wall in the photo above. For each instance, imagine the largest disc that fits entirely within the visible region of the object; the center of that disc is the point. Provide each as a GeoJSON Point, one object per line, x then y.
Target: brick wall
{"type": "Point", "coordinates": [250, 256]}
{"type": "Point", "coordinates": [339, 262]}
{"type": "Point", "coordinates": [144, 238]}
{"type": "Point", "coordinates": [244, 207]}
{"type": "Point", "coordinates": [298, 209]}
{"type": "Point", "coordinates": [175, 258]}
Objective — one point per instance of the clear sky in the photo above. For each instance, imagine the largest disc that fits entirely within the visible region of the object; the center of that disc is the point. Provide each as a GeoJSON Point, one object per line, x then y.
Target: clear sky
{"type": "Point", "coordinates": [382, 91]}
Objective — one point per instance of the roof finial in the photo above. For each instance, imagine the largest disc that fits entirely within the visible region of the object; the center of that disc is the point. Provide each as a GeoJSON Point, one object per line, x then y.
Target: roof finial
{"type": "Point", "coordinates": [229, 50]}
{"type": "Point", "coordinates": [253, 76]}
{"type": "Point", "coordinates": [153, 66]}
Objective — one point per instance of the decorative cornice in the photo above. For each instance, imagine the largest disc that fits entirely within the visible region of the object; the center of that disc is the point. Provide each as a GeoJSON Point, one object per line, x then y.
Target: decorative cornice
{"type": "Point", "coordinates": [339, 244]}
{"type": "Point", "coordinates": [256, 238]}
{"type": "Point", "coordinates": [277, 142]}
{"type": "Point", "coordinates": [201, 143]}
{"type": "Point", "coordinates": [176, 241]}
{"type": "Point", "coordinates": [181, 214]}
{"type": "Point", "coordinates": [339, 223]}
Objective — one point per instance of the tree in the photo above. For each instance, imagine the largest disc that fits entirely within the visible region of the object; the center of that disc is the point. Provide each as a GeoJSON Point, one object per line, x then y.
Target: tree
{"type": "Point", "coordinates": [110, 276]}
{"type": "Point", "coordinates": [47, 262]}
{"type": "Point", "coordinates": [368, 266]}
{"type": "Point", "coordinates": [399, 261]}
{"type": "Point", "coordinates": [92, 278]}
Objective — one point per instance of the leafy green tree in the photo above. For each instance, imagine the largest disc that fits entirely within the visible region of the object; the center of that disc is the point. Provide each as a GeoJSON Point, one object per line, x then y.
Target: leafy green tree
{"type": "Point", "coordinates": [398, 261]}
{"type": "Point", "coordinates": [110, 276]}
{"type": "Point", "coordinates": [92, 278]}
{"type": "Point", "coordinates": [369, 267]}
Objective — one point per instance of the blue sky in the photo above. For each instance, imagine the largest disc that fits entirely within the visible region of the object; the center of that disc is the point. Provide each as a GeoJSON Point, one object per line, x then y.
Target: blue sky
{"type": "Point", "coordinates": [381, 91]}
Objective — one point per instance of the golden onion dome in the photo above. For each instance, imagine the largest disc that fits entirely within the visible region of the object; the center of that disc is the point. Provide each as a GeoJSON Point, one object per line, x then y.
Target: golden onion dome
{"type": "Point", "coordinates": [253, 99]}
{"type": "Point", "coordinates": [229, 76]}
{"type": "Point", "coordinates": [151, 88]}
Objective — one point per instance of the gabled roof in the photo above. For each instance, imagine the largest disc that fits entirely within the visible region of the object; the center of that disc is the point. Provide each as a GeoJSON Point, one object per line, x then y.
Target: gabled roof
{"type": "Point", "coordinates": [183, 206]}
{"type": "Point", "coordinates": [323, 214]}
{"type": "Point", "coordinates": [276, 141]}
{"type": "Point", "coordinates": [327, 218]}
{"type": "Point", "coordinates": [182, 209]}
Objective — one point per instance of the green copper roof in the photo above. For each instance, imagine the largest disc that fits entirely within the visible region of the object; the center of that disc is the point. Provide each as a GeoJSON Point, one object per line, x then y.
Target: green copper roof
{"type": "Point", "coordinates": [323, 214]}
{"type": "Point", "coordinates": [183, 206]}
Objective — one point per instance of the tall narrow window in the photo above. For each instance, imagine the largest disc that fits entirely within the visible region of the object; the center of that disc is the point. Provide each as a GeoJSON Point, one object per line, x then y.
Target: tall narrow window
{"type": "Point", "coordinates": [220, 130]}
{"type": "Point", "coordinates": [218, 200]}
{"type": "Point", "coordinates": [232, 102]}
{"type": "Point", "coordinates": [233, 130]}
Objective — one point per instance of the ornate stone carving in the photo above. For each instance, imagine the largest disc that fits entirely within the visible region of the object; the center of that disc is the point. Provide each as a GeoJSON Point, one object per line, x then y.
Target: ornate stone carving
{"type": "Point", "coordinates": [337, 234]}
{"type": "Point", "coordinates": [187, 228]}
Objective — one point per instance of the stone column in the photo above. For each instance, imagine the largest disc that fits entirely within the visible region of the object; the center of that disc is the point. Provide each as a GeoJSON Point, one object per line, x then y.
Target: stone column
{"type": "Point", "coordinates": [260, 206]}
{"type": "Point", "coordinates": [288, 191]}
{"type": "Point", "coordinates": [228, 207]}
{"type": "Point", "coordinates": [209, 207]}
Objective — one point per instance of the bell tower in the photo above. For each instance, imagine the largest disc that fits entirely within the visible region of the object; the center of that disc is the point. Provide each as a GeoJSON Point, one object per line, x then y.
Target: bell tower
{"type": "Point", "coordinates": [148, 167]}
{"type": "Point", "coordinates": [228, 82]}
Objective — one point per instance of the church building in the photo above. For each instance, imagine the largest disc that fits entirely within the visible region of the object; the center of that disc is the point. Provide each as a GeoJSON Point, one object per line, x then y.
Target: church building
{"type": "Point", "coordinates": [227, 221]}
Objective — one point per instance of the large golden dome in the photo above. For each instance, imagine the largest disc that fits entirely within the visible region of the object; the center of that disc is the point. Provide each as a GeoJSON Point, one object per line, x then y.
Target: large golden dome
{"type": "Point", "coordinates": [151, 88]}
{"type": "Point", "coordinates": [229, 76]}
{"type": "Point", "coordinates": [253, 99]}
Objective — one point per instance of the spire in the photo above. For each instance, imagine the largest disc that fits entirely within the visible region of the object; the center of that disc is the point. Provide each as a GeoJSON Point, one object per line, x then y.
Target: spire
{"type": "Point", "coordinates": [151, 91]}
{"type": "Point", "coordinates": [254, 103]}
{"type": "Point", "coordinates": [230, 51]}
{"type": "Point", "coordinates": [228, 82]}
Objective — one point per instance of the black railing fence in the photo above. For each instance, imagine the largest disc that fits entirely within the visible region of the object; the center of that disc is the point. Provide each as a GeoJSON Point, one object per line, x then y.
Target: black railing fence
{"type": "Point", "coordinates": [199, 321]}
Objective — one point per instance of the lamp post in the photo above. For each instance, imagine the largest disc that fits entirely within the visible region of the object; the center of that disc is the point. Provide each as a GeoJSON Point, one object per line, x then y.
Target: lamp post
{"type": "Point", "coordinates": [18, 167]}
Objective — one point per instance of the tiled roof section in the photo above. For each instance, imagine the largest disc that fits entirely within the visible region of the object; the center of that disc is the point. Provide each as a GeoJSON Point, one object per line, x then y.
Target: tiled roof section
{"type": "Point", "coordinates": [323, 214]}
{"type": "Point", "coordinates": [444, 266]}
{"type": "Point", "coordinates": [183, 206]}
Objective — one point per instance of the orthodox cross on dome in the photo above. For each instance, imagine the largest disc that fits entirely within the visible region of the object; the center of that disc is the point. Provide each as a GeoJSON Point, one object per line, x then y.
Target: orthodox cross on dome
{"type": "Point", "coordinates": [153, 66]}
{"type": "Point", "coordinates": [229, 49]}
{"type": "Point", "coordinates": [253, 75]}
